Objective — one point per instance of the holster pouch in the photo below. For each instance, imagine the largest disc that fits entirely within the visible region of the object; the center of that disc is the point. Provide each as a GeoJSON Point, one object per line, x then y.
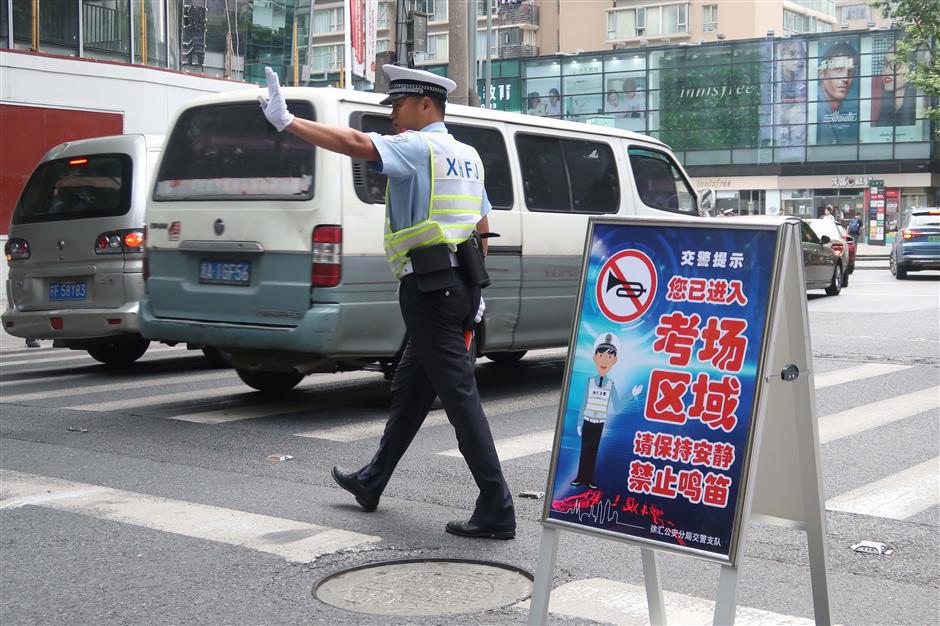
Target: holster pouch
{"type": "Point", "coordinates": [471, 265]}
{"type": "Point", "coordinates": [432, 268]}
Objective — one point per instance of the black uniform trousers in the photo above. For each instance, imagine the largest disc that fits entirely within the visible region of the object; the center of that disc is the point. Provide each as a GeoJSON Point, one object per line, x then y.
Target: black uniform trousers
{"type": "Point", "coordinates": [590, 443]}
{"type": "Point", "coordinates": [435, 363]}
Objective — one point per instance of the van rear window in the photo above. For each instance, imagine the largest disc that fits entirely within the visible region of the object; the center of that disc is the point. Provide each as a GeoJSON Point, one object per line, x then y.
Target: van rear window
{"type": "Point", "coordinates": [230, 151]}
{"type": "Point", "coordinates": [97, 185]}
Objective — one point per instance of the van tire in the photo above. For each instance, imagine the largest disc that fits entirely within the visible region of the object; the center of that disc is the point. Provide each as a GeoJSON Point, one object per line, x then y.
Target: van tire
{"type": "Point", "coordinates": [506, 358]}
{"type": "Point", "coordinates": [215, 357]}
{"type": "Point", "coordinates": [270, 382]}
{"type": "Point", "coordinates": [119, 352]}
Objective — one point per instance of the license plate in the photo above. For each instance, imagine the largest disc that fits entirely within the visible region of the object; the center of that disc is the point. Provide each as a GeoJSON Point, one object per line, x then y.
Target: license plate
{"type": "Point", "coordinates": [67, 290]}
{"type": "Point", "coordinates": [225, 272]}
{"type": "Point", "coordinates": [933, 238]}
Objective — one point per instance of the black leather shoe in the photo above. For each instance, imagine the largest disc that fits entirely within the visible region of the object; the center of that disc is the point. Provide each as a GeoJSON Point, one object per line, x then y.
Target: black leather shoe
{"type": "Point", "coordinates": [350, 482]}
{"type": "Point", "coordinates": [469, 529]}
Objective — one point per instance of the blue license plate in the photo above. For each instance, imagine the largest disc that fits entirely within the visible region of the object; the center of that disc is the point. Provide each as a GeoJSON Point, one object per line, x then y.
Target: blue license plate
{"type": "Point", "coordinates": [225, 272]}
{"type": "Point", "coordinates": [67, 290]}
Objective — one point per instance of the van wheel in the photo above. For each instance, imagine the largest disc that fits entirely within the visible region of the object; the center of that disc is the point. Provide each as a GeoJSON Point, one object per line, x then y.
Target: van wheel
{"type": "Point", "coordinates": [270, 382]}
{"type": "Point", "coordinates": [506, 358]}
{"type": "Point", "coordinates": [120, 352]}
{"type": "Point", "coordinates": [215, 358]}
{"type": "Point", "coordinates": [836, 285]}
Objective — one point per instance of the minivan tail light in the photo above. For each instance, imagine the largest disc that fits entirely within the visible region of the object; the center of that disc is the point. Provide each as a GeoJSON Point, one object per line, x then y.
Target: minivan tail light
{"type": "Point", "coordinates": [120, 242]}
{"type": "Point", "coordinates": [16, 249]}
{"type": "Point", "coordinates": [327, 256]}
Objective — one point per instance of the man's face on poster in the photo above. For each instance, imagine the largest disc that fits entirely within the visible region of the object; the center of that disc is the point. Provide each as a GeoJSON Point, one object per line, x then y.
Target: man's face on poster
{"type": "Point", "coordinates": [835, 77]}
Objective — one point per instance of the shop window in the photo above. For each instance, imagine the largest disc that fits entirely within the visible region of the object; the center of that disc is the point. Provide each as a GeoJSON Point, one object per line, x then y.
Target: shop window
{"type": "Point", "coordinates": [150, 33]}
{"type": "Point", "coordinates": [57, 26]}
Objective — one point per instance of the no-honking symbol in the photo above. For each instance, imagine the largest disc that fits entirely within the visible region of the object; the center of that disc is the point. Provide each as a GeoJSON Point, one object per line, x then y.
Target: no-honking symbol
{"type": "Point", "coordinates": [626, 286]}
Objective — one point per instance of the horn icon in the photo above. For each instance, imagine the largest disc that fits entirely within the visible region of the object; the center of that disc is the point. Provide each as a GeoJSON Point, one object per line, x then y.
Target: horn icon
{"type": "Point", "coordinates": [625, 288]}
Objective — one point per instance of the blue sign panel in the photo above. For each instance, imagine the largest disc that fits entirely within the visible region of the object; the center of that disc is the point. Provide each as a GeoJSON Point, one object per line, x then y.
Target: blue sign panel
{"type": "Point", "coordinates": [656, 420]}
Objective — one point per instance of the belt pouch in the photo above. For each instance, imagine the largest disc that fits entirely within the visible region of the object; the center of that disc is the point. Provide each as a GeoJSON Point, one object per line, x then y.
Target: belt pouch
{"type": "Point", "coordinates": [471, 264]}
{"type": "Point", "coordinates": [432, 267]}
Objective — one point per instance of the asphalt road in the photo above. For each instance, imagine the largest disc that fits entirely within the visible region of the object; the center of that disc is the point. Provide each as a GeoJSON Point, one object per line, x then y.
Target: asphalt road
{"type": "Point", "coordinates": [169, 511]}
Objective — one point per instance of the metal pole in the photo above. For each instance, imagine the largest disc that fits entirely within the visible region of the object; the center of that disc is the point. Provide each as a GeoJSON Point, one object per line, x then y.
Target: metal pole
{"type": "Point", "coordinates": [347, 45]}
{"type": "Point", "coordinates": [472, 97]}
{"type": "Point", "coordinates": [130, 30]}
{"type": "Point", "coordinates": [489, 52]}
{"type": "Point", "coordinates": [81, 36]}
{"type": "Point", "coordinates": [457, 57]}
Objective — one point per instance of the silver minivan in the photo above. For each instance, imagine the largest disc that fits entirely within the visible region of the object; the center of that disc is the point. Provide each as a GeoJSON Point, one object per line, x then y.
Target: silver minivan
{"type": "Point", "coordinates": [76, 245]}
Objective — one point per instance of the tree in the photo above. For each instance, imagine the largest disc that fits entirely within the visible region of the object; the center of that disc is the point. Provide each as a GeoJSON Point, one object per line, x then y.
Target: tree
{"type": "Point", "coordinates": [920, 20]}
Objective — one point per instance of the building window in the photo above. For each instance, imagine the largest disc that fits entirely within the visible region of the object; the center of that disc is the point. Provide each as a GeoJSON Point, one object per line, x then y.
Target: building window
{"type": "Point", "coordinates": [648, 21]}
{"type": "Point", "coordinates": [436, 9]}
{"type": "Point", "coordinates": [855, 12]}
{"type": "Point", "coordinates": [437, 50]}
{"type": "Point", "coordinates": [710, 18]}
{"type": "Point", "coordinates": [327, 58]}
{"type": "Point", "coordinates": [328, 20]}
{"type": "Point", "coordinates": [382, 16]}
{"type": "Point", "coordinates": [798, 23]}
{"type": "Point", "coordinates": [382, 45]}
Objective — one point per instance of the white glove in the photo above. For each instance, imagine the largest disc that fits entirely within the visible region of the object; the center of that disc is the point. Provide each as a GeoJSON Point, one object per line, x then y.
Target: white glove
{"type": "Point", "coordinates": [274, 108]}
{"type": "Point", "coordinates": [579, 428]}
{"type": "Point", "coordinates": [637, 390]}
{"type": "Point", "coordinates": [479, 316]}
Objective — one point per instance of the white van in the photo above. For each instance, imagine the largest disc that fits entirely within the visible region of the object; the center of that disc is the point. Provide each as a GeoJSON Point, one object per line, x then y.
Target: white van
{"type": "Point", "coordinates": [76, 247]}
{"type": "Point", "coordinates": [271, 249]}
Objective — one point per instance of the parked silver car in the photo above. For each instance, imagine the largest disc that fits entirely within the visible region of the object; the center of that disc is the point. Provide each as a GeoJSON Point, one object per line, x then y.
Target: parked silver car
{"type": "Point", "coordinates": [76, 245]}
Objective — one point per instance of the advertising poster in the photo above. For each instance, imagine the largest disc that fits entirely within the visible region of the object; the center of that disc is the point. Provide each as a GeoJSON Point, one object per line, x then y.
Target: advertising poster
{"type": "Point", "coordinates": [837, 91]}
{"type": "Point", "coordinates": [657, 415]}
{"type": "Point", "coordinates": [791, 93]}
{"type": "Point", "coordinates": [362, 15]}
{"type": "Point", "coordinates": [875, 198]}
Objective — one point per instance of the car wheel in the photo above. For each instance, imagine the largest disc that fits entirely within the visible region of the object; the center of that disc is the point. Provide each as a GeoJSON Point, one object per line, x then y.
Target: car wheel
{"type": "Point", "coordinates": [270, 382]}
{"type": "Point", "coordinates": [120, 352]}
{"type": "Point", "coordinates": [892, 265]}
{"type": "Point", "coordinates": [836, 285]}
{"type": "Point", "coordinates": [215, 357]}
{"type": "Point", "coordinates": [851, 269]}
{"type": "Point", "coordinates": [845, 279]}
{"type": "Point", "coordinates": [506, 358]}
{"type": "Point", "coordinates": [900, 273]}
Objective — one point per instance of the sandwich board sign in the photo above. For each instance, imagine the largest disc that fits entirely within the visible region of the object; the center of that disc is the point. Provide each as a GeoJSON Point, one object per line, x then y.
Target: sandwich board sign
{"type": "Point", "coordinates": [687, 408]}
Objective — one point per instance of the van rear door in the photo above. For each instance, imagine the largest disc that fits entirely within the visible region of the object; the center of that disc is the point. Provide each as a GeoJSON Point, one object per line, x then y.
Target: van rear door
{"type": "Point", "coordinates": [70, 215]}
{"type": "Point", "coordinates": [230, 222]}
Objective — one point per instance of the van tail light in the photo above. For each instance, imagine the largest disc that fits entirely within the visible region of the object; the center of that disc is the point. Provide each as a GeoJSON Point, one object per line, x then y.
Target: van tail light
{"type": "Point", "coordinates": [837, 247]}
{"type": "Point", "coordinates": [16, 249]}
{"type": "Point", "coordinates": [120, 242]}
{"type": "Point", "coordinates": [56, 323]}
{"type": "Point", "coordinates": [327, 256]}
{"type": "Point", "coordinates": [905, 234]}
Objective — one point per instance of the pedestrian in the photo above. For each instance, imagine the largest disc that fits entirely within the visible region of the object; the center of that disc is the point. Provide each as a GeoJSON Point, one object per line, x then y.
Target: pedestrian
{"type": "Point", "coordinates": [855, 227]}
{"type": "Point", "coordinates": [827, 215]}
{"type": "Point", "coordinates": [435, 195]}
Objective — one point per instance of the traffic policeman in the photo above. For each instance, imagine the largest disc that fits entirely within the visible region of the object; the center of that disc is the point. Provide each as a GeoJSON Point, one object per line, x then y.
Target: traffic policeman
{"type": "Point", "coordinates": [435, 201]}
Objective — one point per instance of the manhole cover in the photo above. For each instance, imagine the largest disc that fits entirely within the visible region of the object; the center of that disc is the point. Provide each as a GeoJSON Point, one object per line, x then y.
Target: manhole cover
{"type": "Point", "coordinates": [425, 587]}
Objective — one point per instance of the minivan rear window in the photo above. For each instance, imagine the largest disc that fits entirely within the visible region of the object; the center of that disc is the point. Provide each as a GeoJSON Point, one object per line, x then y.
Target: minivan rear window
{"type": "Point", "coordinates": [81, 187]}
{"type": "Point", "coordinates": [230, 151]}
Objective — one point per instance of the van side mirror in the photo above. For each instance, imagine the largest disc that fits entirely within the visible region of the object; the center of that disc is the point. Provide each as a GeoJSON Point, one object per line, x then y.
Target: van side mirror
{"type": "Point", "coordinates": [706, 202]}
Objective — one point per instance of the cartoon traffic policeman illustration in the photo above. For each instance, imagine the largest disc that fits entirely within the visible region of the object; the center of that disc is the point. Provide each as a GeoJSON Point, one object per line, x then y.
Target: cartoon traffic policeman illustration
{"type": "Point", "coordinates": [600, 398]}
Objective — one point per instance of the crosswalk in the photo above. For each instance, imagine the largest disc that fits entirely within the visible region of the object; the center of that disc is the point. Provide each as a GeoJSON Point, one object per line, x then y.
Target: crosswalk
{"type": "Point", "coordinates": [215, 398]}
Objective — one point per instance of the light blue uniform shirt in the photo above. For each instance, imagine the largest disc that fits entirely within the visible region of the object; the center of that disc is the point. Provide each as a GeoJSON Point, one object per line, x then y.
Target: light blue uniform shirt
{"type": "Point", "coordinates": [405, 159]}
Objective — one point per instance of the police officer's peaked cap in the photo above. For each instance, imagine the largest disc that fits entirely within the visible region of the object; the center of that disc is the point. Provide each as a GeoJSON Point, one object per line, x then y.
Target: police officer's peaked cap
{"type": "Point", "coordinates": [607, 340]}
{"type": "Point", "coordinates": [405, 81]}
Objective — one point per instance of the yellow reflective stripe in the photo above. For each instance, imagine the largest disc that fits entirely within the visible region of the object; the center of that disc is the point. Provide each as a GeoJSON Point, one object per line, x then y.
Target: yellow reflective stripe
{"type": "Point", "coordinates": [454, 212]}
{"type": "Point", "coordinates": [459, 197]}
{"type": "Point", "coordinates": [431, 171]}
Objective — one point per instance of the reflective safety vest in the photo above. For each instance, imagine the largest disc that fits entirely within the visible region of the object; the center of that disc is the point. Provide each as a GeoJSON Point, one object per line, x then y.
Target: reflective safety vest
{"type": "Point", "coordinates": [455, 203]}
{"type": "Point", "coordinates": [598, 399]}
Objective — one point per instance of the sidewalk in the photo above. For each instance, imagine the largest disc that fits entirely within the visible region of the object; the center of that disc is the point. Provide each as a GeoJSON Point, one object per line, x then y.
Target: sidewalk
{"type": "Point", "coordinates": [868, 250]}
